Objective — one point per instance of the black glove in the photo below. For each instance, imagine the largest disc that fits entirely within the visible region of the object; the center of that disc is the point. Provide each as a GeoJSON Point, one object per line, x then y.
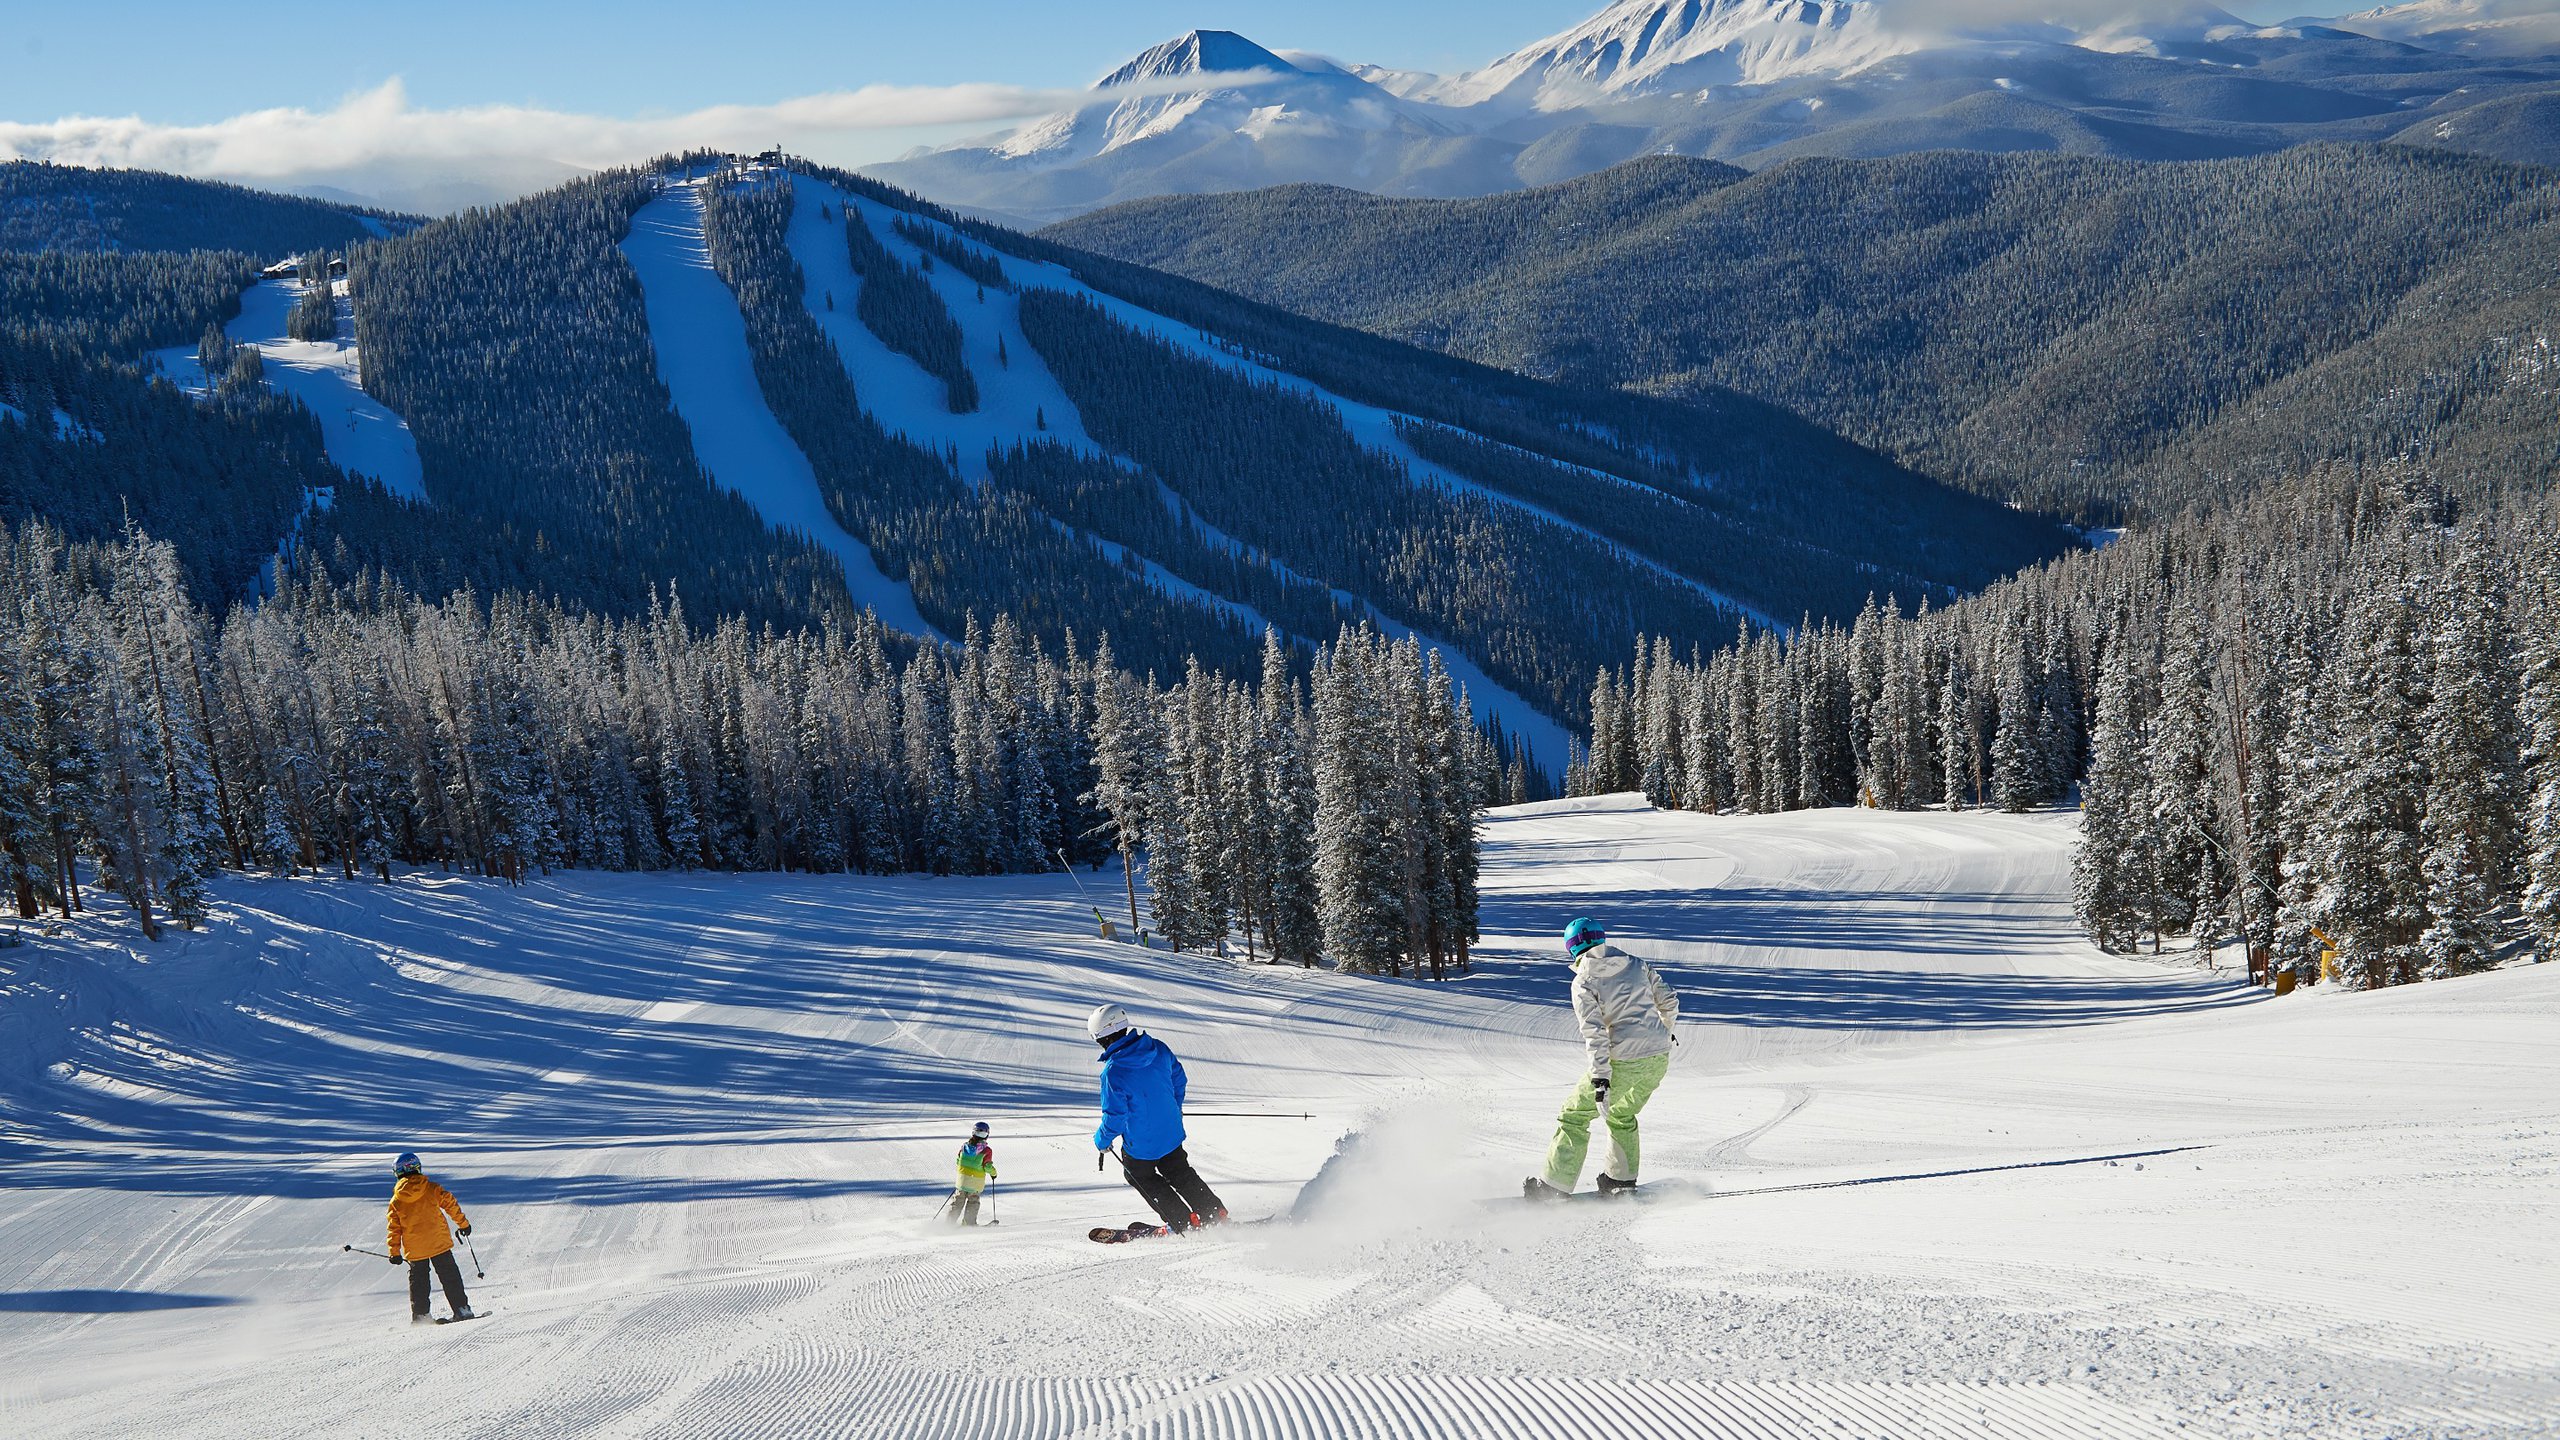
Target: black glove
{"type": "Point", "coordinates": [1600, 1089]}
{"type": "Point", "coordinates": [395, 1259]}
{"type": "Point", "coordinates": [464, 1232]}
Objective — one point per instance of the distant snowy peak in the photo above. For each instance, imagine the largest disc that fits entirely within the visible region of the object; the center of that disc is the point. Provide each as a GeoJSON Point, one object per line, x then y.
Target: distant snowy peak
{"type": "Point", "coordinates": [2486, 27]}
{"type": "Point", "coordinates": [1658, 47]}
{"type": "Point", "coordinates": [1655, 46]}
{"type": "Point", "coordinates": [1202, 52]}
{"type": "Point", "coordinates": [1244, 90]}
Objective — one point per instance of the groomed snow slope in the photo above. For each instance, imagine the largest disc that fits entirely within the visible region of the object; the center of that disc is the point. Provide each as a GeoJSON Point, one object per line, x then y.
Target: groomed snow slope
{"type": "Point", "coordinates": [701, 343]}
{"type": "Point", "coordinates": [362, 435]}
{"type": "Point", "coordinates": [700, 1122]}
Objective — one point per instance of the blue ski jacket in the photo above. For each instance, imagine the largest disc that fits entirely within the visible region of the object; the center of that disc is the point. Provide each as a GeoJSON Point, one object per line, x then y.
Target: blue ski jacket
{"type": "Point", "coordinates": [1142, 1090]}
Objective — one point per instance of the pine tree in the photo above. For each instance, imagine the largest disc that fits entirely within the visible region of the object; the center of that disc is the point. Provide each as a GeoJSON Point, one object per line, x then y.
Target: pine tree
{"type": "Point", "coordinates": [2471, 817]}
{"type": "Point", "coordinates": [2539, 712]}
{"type": "Point", "coordinates": [2367, 844]}
{"type": "Point", "coordinates": [2111, 883]}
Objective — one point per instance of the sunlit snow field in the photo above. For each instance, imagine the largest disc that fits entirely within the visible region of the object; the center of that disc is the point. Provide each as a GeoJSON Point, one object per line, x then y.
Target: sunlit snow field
{"type": "Point", "coordinates": [701, 1123]}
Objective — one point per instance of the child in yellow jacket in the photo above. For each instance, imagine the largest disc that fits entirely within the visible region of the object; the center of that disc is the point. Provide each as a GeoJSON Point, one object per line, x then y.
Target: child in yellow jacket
{"type": "Point", "coordinates": [977, 1167]}
{"type": "Point", "coordinates": [416, 1230]}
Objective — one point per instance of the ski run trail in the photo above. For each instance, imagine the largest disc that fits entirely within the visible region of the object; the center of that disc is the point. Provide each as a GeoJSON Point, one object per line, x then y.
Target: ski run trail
{"type": "Point", "coordinates": [700, 1123]}
{"type": "Point", "coordinates": [703, 358]}
{"type": "Point", "coordinates": [362, 435]}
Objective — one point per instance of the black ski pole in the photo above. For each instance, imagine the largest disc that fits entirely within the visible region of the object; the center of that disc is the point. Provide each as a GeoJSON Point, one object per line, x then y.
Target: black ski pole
{"type": "Point", "coordinates": [475, 1257]}
{"type": "Point", "coordinates": [360, 1250]}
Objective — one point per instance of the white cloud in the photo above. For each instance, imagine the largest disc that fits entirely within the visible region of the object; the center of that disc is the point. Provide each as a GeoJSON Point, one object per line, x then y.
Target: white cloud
{"type": "Point", "coordinates": [376, 142]}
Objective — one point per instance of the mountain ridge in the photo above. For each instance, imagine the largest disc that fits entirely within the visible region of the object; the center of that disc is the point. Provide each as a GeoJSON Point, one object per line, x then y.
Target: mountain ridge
{"type": "Point", "coordinates": [2347, 320]}
{"type": "Point", "coordinates": [1756, 82]}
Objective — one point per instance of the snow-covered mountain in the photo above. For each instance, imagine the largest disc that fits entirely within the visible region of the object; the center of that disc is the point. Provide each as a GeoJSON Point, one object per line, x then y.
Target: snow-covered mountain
{"type": "Point", "coordinates": [1757, 81]}
{"type": "Point", "coordinates": [1660, 46]}
{"type": "Point", "coordinates": [1257, 118]}
{"type": "Point", "coordinates": [2485, 27]}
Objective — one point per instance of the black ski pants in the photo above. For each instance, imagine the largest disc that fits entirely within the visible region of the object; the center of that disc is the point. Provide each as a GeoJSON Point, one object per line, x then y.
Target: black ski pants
{"type": "Point", "coordinates": [1174, 1190]}
{"type": "Point", "coordinates": [447, 1271]}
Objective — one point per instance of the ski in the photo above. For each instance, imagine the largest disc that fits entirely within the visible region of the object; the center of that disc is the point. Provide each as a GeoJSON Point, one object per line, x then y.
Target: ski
{"type": "Point", "coordinates": [458, 1319]}
{"type": "Point", "coordinates": [1123, 1234]}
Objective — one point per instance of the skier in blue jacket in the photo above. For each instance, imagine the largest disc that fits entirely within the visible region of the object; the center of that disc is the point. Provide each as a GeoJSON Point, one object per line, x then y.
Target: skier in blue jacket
{"type": "Point", "coordinates": [1142, 1090]}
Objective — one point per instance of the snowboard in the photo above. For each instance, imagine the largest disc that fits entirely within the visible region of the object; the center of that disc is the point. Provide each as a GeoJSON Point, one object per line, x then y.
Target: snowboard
{"type": "Point", "coordinates": [1529, 1196]}
{"type": "Point", "coordinates": [1123, 1234]}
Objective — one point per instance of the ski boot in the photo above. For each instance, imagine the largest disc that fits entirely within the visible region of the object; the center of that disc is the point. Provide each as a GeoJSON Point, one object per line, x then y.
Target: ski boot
{"type": "Point", "coordinates": [1612, 1185]}
{"type": "Point", "coordinates": [1538, 1190]}
{"type": "Point", "coordinates": [465, 1313]}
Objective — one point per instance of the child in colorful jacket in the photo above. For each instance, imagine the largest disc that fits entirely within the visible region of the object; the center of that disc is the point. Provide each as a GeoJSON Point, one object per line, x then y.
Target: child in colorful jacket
{"type": "Point", "coordinates": [416, 1230]}
{"type": "Point", "coordinates": [977, 1167]}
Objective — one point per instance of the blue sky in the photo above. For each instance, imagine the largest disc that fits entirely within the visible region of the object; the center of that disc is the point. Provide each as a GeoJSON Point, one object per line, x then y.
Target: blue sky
{"type": "Point", "coordinates": [191, 63]}
{"type": "Point", "coordinates": [195, 62]}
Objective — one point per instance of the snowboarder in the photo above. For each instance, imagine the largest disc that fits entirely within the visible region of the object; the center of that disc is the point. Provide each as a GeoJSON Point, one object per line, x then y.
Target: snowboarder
{"type": "Point", "coordinates": [977, 1167]}
{"type": "Point", "coordinates": [1626, 1015]}
{"type": "Point", "coordinates": [418, 1235]}
{"type": "Point", "coordinates": [1142, 1091]}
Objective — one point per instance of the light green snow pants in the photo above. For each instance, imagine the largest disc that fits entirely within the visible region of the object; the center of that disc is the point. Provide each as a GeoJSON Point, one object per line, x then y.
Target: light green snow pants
{"type": "Point", "coordinates": [1631, 1083]}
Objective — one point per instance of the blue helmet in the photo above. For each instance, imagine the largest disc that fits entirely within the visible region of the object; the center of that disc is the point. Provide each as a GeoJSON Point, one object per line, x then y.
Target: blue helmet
{"type": "Point", "coordinates": [408, 1164]}
{"type": "Point", "coordinates": [978, 1131]}
{"type": "Point", "coordinates": [1581, 935]}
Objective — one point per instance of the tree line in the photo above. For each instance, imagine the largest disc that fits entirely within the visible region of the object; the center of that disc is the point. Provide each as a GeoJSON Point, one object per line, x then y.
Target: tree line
{"type": "Point", "coordinates": [2333, 712]}
{"type": "Point", "coordinates": [65, 208]}
{"type": "Point", "coordinates": [356, 728]}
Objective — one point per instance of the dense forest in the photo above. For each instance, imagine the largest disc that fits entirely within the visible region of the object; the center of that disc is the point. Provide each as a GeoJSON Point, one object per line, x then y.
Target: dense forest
{"type": "Point", "coordinates": [89, 441]}
{"type": "Point", "coordinates": [2333, 711]}
{"type": "Point", "coordinates": [2078, 334]}
{"type": "Point", "coordinates": [358, 728]}
{"type": "Point", "coordinates": [1275, 470]}
{"type": "Point", "coordinates": [44, 206]}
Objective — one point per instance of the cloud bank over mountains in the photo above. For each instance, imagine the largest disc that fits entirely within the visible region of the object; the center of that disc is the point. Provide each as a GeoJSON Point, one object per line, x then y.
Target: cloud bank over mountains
{"type": "Point", "coordinates": [377, 145]}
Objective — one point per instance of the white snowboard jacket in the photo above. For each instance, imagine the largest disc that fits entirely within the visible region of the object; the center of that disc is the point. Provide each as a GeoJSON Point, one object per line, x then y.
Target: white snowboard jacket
{"type": "Point", "coordinates": [1624, 1009]}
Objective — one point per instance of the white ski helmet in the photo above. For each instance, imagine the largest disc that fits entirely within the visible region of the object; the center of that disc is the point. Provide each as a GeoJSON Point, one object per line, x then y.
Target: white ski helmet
{"type": "Point", "coordinates": [1106, 1021]}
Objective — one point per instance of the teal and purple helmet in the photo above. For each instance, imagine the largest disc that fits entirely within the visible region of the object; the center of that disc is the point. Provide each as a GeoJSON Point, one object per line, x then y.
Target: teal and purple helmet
{"type": "Point", "coordinates": [1581, 935]}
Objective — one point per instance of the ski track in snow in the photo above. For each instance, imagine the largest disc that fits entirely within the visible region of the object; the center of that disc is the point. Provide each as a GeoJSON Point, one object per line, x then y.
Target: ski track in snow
{"type": "Point", "coordinates": [701, 343]}
{"type": "Point", "coordinates": [700, 1120]}
{"type": "Point", "coordinates": [1017, 396]}
{"type": "Point", "coordinates": [363, 436]}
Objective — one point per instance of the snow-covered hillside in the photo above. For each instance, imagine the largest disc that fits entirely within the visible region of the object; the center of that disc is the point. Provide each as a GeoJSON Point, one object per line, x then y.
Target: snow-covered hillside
{"type": "Point", "coordinates": [700, 1122]}
{"type": "Point", "coordinates": [1020, 401]}
{"type": "Point", "coordinates": [363, 436]}
{"type": "Point", "coordinates": [701, 345]}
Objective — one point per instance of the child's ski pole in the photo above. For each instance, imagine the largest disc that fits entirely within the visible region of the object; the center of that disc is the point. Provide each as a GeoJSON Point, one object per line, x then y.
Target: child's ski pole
{"type": "Point", "coordinates": [475, 1257]}
{"type": "Point", "coordinates": [360, 1250]}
